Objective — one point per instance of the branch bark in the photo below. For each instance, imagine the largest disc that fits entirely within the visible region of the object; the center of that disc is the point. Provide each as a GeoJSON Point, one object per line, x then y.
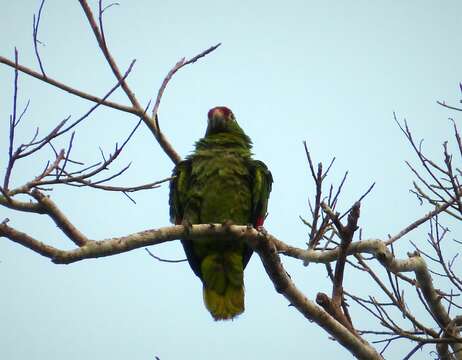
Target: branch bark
{"type": "Point", "coordinates": [267, 247]}
{"type": "Point", "coordinates": [283, 284]}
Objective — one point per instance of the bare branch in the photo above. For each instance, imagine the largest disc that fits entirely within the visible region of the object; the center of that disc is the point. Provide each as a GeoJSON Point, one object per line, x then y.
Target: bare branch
{"type": "Point", "coordinates": [336, 307]}
{"type": "Point", "coordinates": [164, 260]}
{"type": "Point", "coordinates": [59, 218]}
{"type": "Point", "coordinates": [67, 88]}
{"type": "Point", "coordinates": [13, 124]}
{"type": "Point", "coordinates": [283, 284]}
{"type": "Point", "coordinates": [27, 241]}
{"type": "Point", "coordinates": [180, 64]}
{"type": "Point", "coordinates": [35, 29]}
{"type": "Point", "coordinates": [442, 103]}
{"type": "Point", "coordinates": [418, 222]}
{"type": "Point", "coordinates": [150, 122]}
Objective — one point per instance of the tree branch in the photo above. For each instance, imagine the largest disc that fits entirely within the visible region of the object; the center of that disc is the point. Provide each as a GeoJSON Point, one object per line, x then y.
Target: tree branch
{"type": "Point", "coordinates": [59, 218]}
{"type": "Point", "coordinates": [283, 284]}
{"type": "Point", "coordinates": [67, 88]}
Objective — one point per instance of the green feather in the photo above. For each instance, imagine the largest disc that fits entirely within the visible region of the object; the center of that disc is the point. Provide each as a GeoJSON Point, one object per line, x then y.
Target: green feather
{"type": "Point", "coordinates": [220, 182]}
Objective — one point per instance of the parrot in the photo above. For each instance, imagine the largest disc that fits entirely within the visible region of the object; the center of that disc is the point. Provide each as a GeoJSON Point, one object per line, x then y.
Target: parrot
{"type": "Point", "coordinates": [220, 182]}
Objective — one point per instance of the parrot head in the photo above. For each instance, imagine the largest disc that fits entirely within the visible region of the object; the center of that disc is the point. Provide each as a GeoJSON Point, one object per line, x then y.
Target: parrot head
{"type": "Point", "coordinates": [222, 120]}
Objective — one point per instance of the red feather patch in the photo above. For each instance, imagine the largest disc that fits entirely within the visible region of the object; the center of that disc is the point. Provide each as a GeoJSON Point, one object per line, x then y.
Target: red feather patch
{"type": "Point", "coordinates": [260, 221]}
{"type": "Point", "coordinates": [223, 109]}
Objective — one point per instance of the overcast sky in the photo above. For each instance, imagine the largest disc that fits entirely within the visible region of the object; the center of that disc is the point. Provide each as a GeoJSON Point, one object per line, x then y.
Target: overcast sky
{"type": "Point", "coordinates": [328, 72]}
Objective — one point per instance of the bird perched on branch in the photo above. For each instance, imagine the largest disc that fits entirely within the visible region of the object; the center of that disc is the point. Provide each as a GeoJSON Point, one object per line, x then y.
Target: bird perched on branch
{"type": "Point", "coordinates": [220, 183]}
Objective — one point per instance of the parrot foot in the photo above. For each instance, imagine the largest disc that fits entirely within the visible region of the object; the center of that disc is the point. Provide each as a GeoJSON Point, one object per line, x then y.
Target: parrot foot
{"type": "Point", "coordinates": [261, 230]}
{"type": "Point", "coordinates": [227, 224]}
{"type": "Point", "coordinates": [187, 226]}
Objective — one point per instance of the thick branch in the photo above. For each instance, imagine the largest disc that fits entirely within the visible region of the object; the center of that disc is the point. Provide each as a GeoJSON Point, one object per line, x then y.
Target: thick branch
{"type": "Point", "coordinates": [267, 246]}
{"type": "Point", "coordinates": [379, 249]}
{"type": "Point", "coordinates": [13, 204]}
{"type": "Point", "coordinates": [284, 285]}
{"type": "Point", "coordinates": [59, 218]}
{"type": "Point", "coordinates": [336, 307]}
{"type": "Point", "coordinates": [95, 249]}
{"type": "Point", "coordinates": [27, 241]}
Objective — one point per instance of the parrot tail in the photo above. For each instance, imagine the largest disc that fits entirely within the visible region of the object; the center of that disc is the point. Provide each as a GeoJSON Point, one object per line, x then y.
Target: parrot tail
{"type": "Point", "coordinates": [223, 279]}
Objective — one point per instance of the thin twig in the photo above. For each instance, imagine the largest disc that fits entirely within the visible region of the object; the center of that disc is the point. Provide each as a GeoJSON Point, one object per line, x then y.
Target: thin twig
{"type": "Point", "coordinates": [35, 28]}
{"type": "Point", "coordinates": [163, 260]}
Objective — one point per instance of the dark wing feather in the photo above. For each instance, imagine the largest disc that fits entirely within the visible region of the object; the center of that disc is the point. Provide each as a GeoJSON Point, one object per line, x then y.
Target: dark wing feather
{"type": "Point", "coordinates": [179, 186]}
{"type": "Point", "coordinates": [179, 190]}
{"type": "Point", "coordinates": [261, 181]}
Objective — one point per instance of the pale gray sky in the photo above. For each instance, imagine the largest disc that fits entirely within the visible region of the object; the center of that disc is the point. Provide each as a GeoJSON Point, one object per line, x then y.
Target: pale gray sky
{"type": "Point", "coordinates": [330, 73]}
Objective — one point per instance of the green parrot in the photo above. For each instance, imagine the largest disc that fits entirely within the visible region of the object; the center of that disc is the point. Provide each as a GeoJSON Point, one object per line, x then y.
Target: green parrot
{"type": "Point", "coordinates": [220, 183]}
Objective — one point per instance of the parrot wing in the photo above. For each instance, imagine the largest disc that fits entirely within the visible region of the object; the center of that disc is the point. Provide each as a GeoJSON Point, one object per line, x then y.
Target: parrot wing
{"type": "Point", "coordinates": [179, 190]}
{"type": "Point", "coordinates": [261, 183]}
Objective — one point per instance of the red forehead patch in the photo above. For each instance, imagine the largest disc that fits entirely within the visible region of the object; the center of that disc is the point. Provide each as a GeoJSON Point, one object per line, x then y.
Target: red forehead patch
{"type": "Point", "coordinates": [223, 109]}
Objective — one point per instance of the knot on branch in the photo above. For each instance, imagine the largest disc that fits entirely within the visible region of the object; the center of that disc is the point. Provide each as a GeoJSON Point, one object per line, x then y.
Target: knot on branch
{"type": "Point", "coordinates": [353, 217]}
{"type": "Point", "coordinates": [38, 195]}
{"type": "Point", "coordinates": [381, 256]}
{"type": "Point", "coordinates": [322, 300]}
{"type": "Point", "coordinates": [334, 309]}
{"type": "Point", "coordinates": [227, 226]}
{"type": "Point", "coordinates": [413, 254]}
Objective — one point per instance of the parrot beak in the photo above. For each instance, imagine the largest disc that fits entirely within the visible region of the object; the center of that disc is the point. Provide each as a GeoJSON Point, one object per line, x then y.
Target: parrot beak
{"type": "Point", "coordinates": [218, 119]}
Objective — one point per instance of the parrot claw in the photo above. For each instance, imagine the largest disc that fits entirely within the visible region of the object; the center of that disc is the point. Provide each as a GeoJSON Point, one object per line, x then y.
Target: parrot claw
{"type": "Point", "coordinates": [227, 223]}
{"type": "Point", "coordinates": [187, 225]}
{"type": "Point", "coordinates": [261, 230]}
